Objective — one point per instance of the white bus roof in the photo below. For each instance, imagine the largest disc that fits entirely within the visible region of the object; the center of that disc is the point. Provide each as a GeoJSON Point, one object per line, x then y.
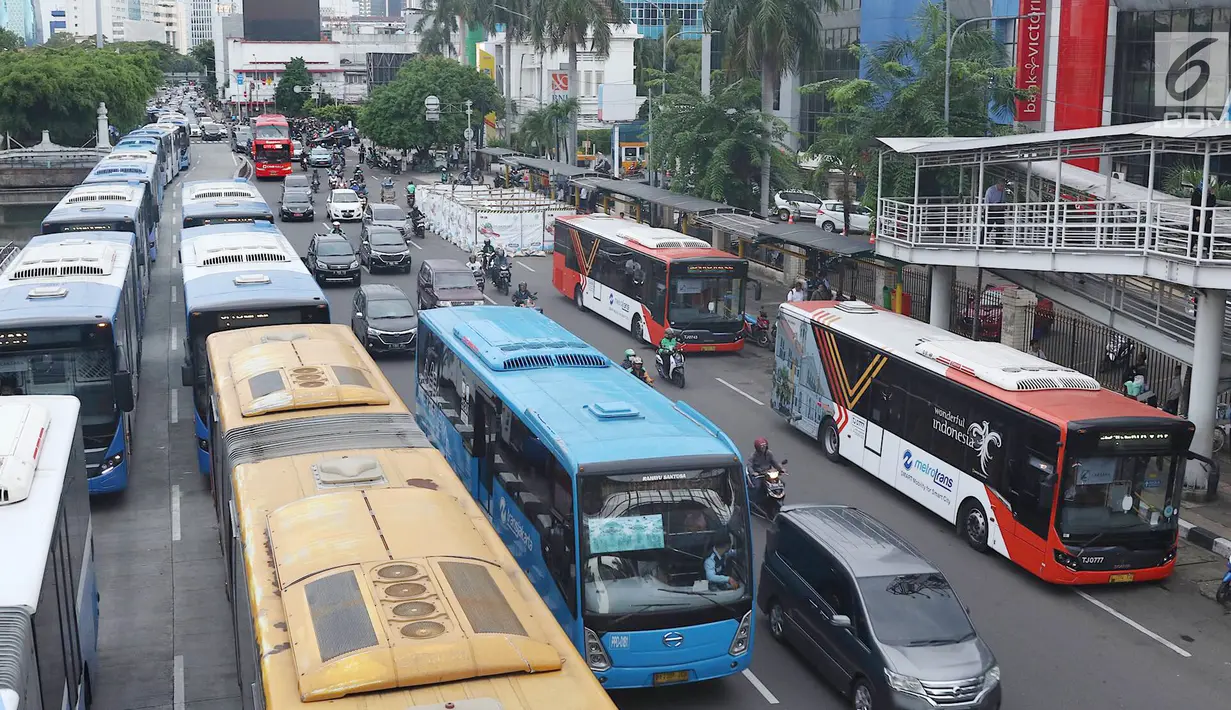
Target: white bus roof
{"type": "Point", "coordinates": [626, 230]}
{"type": "Point", "coordinates": [937, 350]}
{"type": "Point", "coordinates": [131, 156]}
{"type": "Point", "coordinates": [95, 192]}
{"type": "Point", "coordinates": [220, 189]}
{"type": "Point", "coordinates": [70, 258]}
{"type": "Point", "coordinates": [36, 439]}
{"type": "Point", "coordinates": [238, 251]}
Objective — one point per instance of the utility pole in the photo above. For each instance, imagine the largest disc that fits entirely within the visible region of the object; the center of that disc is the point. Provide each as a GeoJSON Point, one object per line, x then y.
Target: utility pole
{"type": "Point", "coordinates": [98, 31]}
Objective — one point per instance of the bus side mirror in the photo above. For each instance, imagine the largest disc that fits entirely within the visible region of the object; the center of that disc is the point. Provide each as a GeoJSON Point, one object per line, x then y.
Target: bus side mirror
{"type": "Point", "coordinates": [186, 375]}
{"type": "Point", "coordinates": [122, 384]}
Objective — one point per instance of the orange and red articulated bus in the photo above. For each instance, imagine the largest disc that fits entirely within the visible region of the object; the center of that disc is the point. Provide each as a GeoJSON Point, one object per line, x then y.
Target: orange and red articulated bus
{"type": "Point", "coordinates": [271, 146]}
{"type": "Point", "coordinates": [643, 278]}
{"type": "Point", "coordinates": [1074, 483]}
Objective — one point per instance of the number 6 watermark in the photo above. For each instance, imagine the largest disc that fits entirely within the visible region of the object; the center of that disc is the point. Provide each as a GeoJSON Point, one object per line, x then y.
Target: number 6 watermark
{"type": "Point", "coordinates": [1190, 69]}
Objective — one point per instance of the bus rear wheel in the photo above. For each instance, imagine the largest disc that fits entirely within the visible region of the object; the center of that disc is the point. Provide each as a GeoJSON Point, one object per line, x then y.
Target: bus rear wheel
{"type": "Point", "coordinates": [972, 525]}
{"type": "Point", "coordinates": [636, 329]}
{"type": "Point", "coordinates": [830, 443]}
{"type": "Point", "coordinates": [579, 298]}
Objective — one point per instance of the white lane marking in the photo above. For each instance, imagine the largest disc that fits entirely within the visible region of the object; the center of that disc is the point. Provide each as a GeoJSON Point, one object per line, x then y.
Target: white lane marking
{"type": "Point", "coordinates": [175, 513]}
{"type": "Point", "coordinates": [174, 294]}
{"type": "Point", "coordinates": [234, 160]}
{"type": "Point", "coordinates": [414, 245]}
{"type": "Point", "coordinates": [1133, 624]}
{"type": "Point", "coordinates": [175, 406]}
{"type": "Point", "coordinates": [175, 341]}
{"type": "Point", "coordinates": [740, 392]}
{"type": "Point", "coordinates": [489, 299]}
{"type": "Point", "coordinates": [756, 683]}
{"type": "Point", "coordinates": [177, 683]}
{"type": "Point", "coordinates": [527, 268]}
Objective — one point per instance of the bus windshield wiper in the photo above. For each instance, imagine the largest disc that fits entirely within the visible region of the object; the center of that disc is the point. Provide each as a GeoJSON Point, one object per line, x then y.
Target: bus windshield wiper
{"type": "Point", "coordinates": [638, 610]}
{"type": "Point", "coordinates": [703, 595]}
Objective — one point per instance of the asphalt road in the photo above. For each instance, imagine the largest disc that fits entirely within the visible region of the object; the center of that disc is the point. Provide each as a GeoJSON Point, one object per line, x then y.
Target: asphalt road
{"type": "Point", "coordinates": [1144, 646]}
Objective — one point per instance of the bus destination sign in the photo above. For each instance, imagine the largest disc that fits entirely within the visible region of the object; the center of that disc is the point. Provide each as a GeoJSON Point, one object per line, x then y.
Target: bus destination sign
{"type": "Point", "coordinates": [710, 269]}
{"type": "Point", "coordinates": [1133, 440]}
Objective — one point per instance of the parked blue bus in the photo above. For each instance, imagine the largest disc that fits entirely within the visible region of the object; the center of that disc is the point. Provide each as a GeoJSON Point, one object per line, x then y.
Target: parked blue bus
{"type": "Point", "coordinates": [166, 133]}
{"type": "Point", "coordinates": [130, 217]}
{"type": "Point", "coordinates": [119, 171]}
{"type": "Point", "coordinates": [137, 155]}
{"type": "Point", "coordinates": [48, 591]}
{"type": "Point", "coordinates": [132, 193]}
{"type": "Point", "coordinates": [182, 138]}
{"type": "Point", "coordinates": [70, 323]}
{"type": "Point", "coordinates": [238, 276]}
{"type": "Point", "coordinates": [609, 495]}
{"type": "Point", "coordinates": [203, 213]}
{"type": "Point", "coordinates": [149, 144]}
{"type": "Point", "coordinates": [214, 190]}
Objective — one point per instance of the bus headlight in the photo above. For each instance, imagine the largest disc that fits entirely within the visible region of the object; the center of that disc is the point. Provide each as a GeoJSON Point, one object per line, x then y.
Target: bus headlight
{"type": "Point", "coordinates": [596, 655]}
{"type": "Point", "coordinates": [743, 635]}
{"type": "Point", "coordinates": [111, 462]}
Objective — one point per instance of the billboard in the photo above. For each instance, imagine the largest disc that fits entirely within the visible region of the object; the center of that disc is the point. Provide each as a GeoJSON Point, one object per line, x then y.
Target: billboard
{"type": "Point", "coordinates": [282, 21]}
{"type": "Point", "coordinates": [1031, 32]}
{"type": "Point", "coordinates": [383, 67]}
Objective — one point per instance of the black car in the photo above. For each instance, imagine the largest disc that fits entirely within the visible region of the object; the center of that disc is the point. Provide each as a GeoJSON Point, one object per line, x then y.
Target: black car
{"type": "Point", "coordinates": [212, 132]}
{"type": "Point", "coordinates": [384, 319]}
{"type": "Point", "coordinates": [320, 157]}
{"type": "Point", "coordinates": [383, 247]}
{"type": "Point", "coordinates": [297, 205]}
{"type": "Point", "coordinates": [447, 282]}
{"type": "Point", "coordinates": [332, 259]}
{"type": "Point", "coordinates": [241, 139]}
{"type": "Point", "coordinates": [872, 614]}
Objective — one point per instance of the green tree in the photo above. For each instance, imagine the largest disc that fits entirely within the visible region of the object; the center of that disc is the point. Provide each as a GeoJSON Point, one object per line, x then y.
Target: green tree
{"type": "Point", "coordinates": [10, 39]}
{"type": "Point", "coordinates": [337, 113]}
{"type": "Point", "coordinates": [165, 56]}
{"type": "Point", "coordinates": [683, 57]}
{"type": "Point", "coordinates": [715, 144]}
{"type": "Point", "coordinates": [204, 55]}
{"type": "Point", "coordinates": [902, 94]}
{"type": "Point", "coordinates": [766, 37]}
{"type": "Point", "coordinates": [60, 40]}
{"type": "Point", "coordinates": [567, 25]}
{"type": "Point", "coordinates": [60, 89]}
{"type": "Point", "coordinates": [394, 115]}
{"type": "Point", "coordinates": [286, 98]}
{"type": "Point", "coordinates": [544, 131]}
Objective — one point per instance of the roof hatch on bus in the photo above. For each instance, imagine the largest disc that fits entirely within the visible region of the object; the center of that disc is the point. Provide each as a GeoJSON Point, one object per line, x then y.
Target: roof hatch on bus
{"type": "Point", "coordinates": [550, 346]}
{"type": "Point", "coordinates": [245, 250]}
{"type": "Point", "coordinates": [302, 375]}
{"type": "Point", "coordinates": [1005, 367]}
{"type": "Point", "coordinates": [390, 588]}
{"type": "Point", "coordinates": [858, 307]}
{"type": "Point", "coordinates": [75, 257]}
{"type": "Point", "coordinates": [23, 427]}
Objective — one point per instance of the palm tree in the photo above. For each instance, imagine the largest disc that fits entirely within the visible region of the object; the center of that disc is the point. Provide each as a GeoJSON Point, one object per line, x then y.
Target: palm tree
{"type": "Point", "coordinates": [767, 36]}
{"type": "Point", "coordinates": [565, 24]}
{"type": "Point", "coordinates": [543, 128]}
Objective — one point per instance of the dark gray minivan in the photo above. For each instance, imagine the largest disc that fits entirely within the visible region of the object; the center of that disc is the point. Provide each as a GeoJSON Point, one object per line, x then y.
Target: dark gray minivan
{"type": "Point", "coordinates": [878, 620]}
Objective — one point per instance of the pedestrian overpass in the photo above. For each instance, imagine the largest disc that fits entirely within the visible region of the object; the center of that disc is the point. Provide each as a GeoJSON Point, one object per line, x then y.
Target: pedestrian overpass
{"type": "Point", "coordinates": [1153, 266]}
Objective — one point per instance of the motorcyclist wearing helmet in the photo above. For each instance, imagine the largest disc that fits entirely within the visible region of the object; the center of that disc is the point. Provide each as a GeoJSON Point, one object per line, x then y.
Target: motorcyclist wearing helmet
{"type": "Point", "coordinates": [629, 354]}
{"type": "Point", "coordinates": [637, 369]}
{"type": "Point", "coordinates": [522, 294]}
{"type": "Point", "coordinates": [337, 229]}
{"type": "Point", "coordinates": [487, 252]}
{"type": "Point", "coordinates": [669, 342]}
{"type": "Point", "coordinates": [502, 259]}
{"type": "Point", "coordinates": [763, 459]}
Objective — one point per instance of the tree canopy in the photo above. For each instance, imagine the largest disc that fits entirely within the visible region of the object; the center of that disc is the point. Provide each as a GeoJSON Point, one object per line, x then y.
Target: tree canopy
{"type": "Point", "coordinates": [10, 39]}
{"type": "Point", "coordinates": [286, 99]}
{"type": "Point", "coordinates": [204, 55]}
{"type": "Point", "coordinates": [394, 115]}
{"type": "Point", "coordinates": [167, 59]}
{"type": "Point", "coordinates": [683, 59]}
{"type": "Point", "coordinates": [337, 113]}
{"type": "Point", "coordinates": [59, 90]}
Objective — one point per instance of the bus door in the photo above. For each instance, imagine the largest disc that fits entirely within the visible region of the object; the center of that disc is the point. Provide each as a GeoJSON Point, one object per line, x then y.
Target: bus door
{"type": "Point", "coordinates": [1030, 477]}
{"type": "Point", "coordinates": [487, 423]}
{"type": "Point", "coordinates": [885, 410]}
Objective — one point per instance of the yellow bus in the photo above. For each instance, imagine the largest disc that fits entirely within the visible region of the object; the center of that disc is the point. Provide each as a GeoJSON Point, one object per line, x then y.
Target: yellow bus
{"type": "Point", "coordinates": [360, 570]}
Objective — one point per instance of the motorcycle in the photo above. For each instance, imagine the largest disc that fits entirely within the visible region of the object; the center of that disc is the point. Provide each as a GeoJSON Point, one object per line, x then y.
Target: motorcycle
{"type": "Point", "coordinates": [316, 183]}
{"type": "Point", "coordinates": [416, 225]}
{"type": "Point", "coordinates": [756, 329]}
{"type": "Point", "coordinates": [444, 176]}
{"type": "Point", "coordinates": [1118, 352]}
{"type": "Point", "coordinates": [531, 302]}
{"type": "Point", "coordinates": [1223, 595]}
{"type": "Point", "coordinates": [504, 278]}
{"type": "Point", "coordinates": [410, 196]}
{"type": "Point", "coordinates": [766, 491]}
{"type": "Point", "coordinates": [673, 369]}
{"type": "Point", "coordinates": [477, 270]}
{"type": "Point", "coordinates": [1222, 428]}
{"type": "Point", "coordinates": [515, 179]}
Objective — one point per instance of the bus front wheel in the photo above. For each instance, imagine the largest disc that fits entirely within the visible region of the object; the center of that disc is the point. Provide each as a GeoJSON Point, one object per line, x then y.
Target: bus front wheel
{"type": "Point", "coordinates": [973, 526]}
{"type": "Point", "coordinates": [636, 329]}
{"type": "Point", "coordinates": [579, 298]}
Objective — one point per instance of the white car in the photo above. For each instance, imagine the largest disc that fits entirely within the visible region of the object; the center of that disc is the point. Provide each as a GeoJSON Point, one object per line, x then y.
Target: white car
{"type": "Point", "coordinates": [801, 203]}
{"type": "Point", "coordinates": [296, 150]}
{"type": "Point", "coordinates": [830, 217]}
{"type": "Point", "coordinates": [344, 206]}
{"type": "Point", "coordinates": [194, 130]}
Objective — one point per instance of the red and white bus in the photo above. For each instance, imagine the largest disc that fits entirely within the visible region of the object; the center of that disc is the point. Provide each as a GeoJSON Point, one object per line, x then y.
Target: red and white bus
{"type": "Point", "coordinates": [1075, 483]}
{"type": "Point", "coordinates": [643, 278]}
{"type": "Point", "coordinates": [271, 146]}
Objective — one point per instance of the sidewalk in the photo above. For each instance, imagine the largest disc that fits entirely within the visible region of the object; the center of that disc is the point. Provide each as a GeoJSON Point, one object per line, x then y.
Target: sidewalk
{"type": "Point", "coordinates": [1208, 525]}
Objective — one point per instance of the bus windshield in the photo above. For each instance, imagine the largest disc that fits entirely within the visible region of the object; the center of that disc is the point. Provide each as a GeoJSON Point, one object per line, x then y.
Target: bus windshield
{"type": "Point", "coordinates": [708, 299]}
{"type": "Point", "coordinates": [281, 154]}
{"type": "Point", "coordinates": [645, 539]}
{"type": "Point", "coordinates": [83, 373]}
{"type": "Point", "coordinates": [1118, 494]}
{"type": "Point", "coordinates": [272, 130]}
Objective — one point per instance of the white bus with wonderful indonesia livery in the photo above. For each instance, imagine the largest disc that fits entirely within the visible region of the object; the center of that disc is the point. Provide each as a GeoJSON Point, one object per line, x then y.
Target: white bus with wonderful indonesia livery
{"type": "Point", "coordinates": [48, 595]}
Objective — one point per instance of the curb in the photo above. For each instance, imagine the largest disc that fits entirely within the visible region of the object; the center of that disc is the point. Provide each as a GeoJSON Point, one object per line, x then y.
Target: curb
{"type": "Point", "coordinates": [1205, 539]}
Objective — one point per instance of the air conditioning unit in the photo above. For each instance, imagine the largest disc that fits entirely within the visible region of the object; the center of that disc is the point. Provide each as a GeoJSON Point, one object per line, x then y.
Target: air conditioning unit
{"type": "Point", "coordinates": [1117, 175]}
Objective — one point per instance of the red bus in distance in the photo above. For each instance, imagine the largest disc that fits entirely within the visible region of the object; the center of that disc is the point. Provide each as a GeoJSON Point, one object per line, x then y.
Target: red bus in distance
{"type": "Point", "coordinates": [271, 146]}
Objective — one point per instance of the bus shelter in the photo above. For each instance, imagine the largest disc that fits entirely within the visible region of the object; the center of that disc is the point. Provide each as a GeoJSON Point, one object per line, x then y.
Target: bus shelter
{"type": "Point", "coordinates": [487, 158]}
{"type": "Point", "coordinates": [645, 203]}
{"type": "Point", "coordinates": [549, 177]}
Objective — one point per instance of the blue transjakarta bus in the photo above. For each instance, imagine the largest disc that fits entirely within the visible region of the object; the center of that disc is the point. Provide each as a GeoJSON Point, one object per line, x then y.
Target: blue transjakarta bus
{"type": "Point", "coordinates": [48, 592]}
{"type": "Point", "coordinates": [182, 140]}
{"type": "Point", "coordinates": [214, 190]}
{"type": "Point", "coordinates": [166, 133]}
{"type": "Point", "coordinates": [610, 496]}
{"type": "Point", "coordinates": [130, 217]}
{"type": "Point", "coordinates": [150, 144]}
{"type": "Point", "coordinates": [238, 276]}
{"type": "Point", "coordinates": [70, 324]}
{"type": "Point", "coordinates": [133, 193]}
{"type": "Point", "coordinates": [120, 171]}
{"type": "Point", "coordinates": [137, 155]}
{"type": "Point", "coordinates": [202, 213]}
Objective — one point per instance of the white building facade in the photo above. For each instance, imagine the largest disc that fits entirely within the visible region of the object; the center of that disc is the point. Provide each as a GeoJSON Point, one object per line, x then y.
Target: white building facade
{"type": "Point", "coordinates": [173, 16]}
{"type": "Point", "coordinates": [260, 64]}
{"type": "Point", "coordinates": [201, 21]}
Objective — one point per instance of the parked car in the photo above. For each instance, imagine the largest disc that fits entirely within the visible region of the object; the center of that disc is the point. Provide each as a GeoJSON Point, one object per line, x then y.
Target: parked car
{"type": "Point", "coordinates": [384, 319]}
{"type": "Point", "coordinates": [320, 157]}
{"type": "Point", "coordinates": [831, 217]}
{"type": "Point", "coordinates": [875, 618]}
{"type": "Point", "coordinates": [213, 132]}
{"type": "Point", "coordinates": [447, 282]}
{"type": "Point", "coordinates": [332, 259]}
{"type": "Point", "coordinates": [991, 315]}
{"type": "Point", "coordinates": [383, 247]}
{"type": "Point", "coordinates": [296, 205]}
{"type": "Point", "coordinates": [386, 216]}
{"type": "Point", "coordinates": [344, 206]}
{"type": "Point", "coordinates": [241, 139]}
{"type": "Point", "coordinates": [801, 203]}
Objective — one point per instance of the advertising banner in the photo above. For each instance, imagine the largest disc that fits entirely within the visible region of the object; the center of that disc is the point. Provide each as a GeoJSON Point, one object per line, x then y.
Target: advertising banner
{"type": "Point", "coordinates": [1031, 32]}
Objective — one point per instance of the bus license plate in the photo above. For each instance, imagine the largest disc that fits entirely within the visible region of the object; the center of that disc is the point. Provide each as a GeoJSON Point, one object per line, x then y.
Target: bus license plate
{"type": "Point", "coordinates": [1121, 578]}
{"type": "Point", "coordinates": [672, 677]}
{"type": "Point", "coordinates": [708, 348]}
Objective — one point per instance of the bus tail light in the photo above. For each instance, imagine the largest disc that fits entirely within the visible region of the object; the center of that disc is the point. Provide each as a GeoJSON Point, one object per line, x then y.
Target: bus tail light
{"type": "Point", "coordinates": [743, 635]}
{"type": "Point", "coordinates": [596, 655]}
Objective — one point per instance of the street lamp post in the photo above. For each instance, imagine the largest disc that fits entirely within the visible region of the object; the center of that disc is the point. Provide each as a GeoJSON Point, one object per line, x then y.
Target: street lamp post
{"type": "Point", "coordinates": [949, 46]}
